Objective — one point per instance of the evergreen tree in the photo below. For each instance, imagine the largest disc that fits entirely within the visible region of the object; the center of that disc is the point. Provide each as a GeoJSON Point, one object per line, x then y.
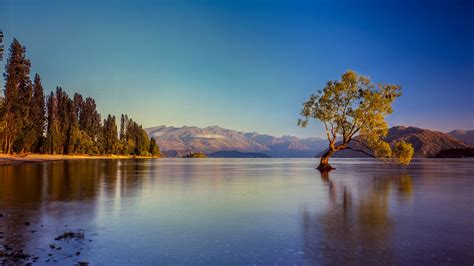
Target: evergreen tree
{"type": "Point", "coordinates": [17, 94]}
{"type": "Point", "coordinates": [2, 122]}
{"type": "Point", "coordinates": [72, 125]}
{"type": "Point", "coordinates": [153, 150]}
{"type": "Point", "coordinates": [123, 142]}
{"type": "Point", "coordinates": [25, 138]}
{"type": "Point", "coordinates": [122, 127]}
{"type": "Point", "coordinates": [37, 114]}
{"type": "Point", "coordinates": [109, 135]}
{"type": "Point", "coordinates": [51, 129]}
{"type": "Point", "coordinates": [63, 120]}
{"type": "Point", "coordinates": [78, 101]}
{"type": "Point", "coordinates": [138, 139]}
{"type": "Point", "coordinates": [89, 118]}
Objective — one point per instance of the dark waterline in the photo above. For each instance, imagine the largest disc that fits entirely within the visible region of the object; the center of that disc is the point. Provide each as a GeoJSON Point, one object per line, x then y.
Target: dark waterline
{"type": "Point", "coordinates": [240, 211]}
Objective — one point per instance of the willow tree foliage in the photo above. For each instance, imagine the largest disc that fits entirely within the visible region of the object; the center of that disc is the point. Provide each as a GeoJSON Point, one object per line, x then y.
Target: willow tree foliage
{"type": "Point", "coordinates": [353, 109]}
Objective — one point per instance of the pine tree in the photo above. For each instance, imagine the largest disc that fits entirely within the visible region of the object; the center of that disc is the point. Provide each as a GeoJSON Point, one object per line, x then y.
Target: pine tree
{"type": "Point", "coordinates": [63, 120]}
{"type": "Point", "coordinates": [25, 138]}
{"type": "Point", "coordinates": [123, 142]}
{"type": "Point", "coordinates": [137, 139]}
{"type": "Point", "coordinates": [122, 127]}
{"type": "Point", "coordinates": [89, 118]}
{"type": "Point", "coordinates": [153, 150]}
{"type": "Point", "coordinates": [78, 102]}
{"type": "Point", "coordinates": [37, 114]}
{"type": "Point", "coordinates": [51, 129]}
{"type": "Point", "coordinates": [17, 93]}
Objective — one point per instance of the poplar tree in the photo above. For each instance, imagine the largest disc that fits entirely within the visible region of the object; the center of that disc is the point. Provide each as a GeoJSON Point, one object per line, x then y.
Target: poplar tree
{"type": "Point", "coordinates": [109, 135]}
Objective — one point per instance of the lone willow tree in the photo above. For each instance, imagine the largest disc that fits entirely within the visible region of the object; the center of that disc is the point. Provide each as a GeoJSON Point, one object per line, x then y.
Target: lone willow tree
{"type": "Point", "coordinates": [353, 109]}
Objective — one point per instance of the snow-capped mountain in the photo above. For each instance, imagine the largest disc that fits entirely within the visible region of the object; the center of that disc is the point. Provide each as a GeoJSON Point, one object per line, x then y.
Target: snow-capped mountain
{"type": "Point", "coordinates": [176, 141]}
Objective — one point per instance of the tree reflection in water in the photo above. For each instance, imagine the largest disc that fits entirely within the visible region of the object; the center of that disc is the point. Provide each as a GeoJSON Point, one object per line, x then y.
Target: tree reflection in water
{"type": "Point", "coordinates": [41, 201]}
{"type": "Point", "coordinates": [356, 227]}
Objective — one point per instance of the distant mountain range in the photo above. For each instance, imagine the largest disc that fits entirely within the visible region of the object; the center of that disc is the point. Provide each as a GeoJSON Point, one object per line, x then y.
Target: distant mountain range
{"type": "Point", "coordinates": [220, 142]}
{"type": "Point", "coordinates": [237, 154]}
{"type": "Point", "coordinates": [466, 136]}
{"type": "Point", "coordinates": [178, 141]}
{"type": "Point", "coordinates": [426, 143]}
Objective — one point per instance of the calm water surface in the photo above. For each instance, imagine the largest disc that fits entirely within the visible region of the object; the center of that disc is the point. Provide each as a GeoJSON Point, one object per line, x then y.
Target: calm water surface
{"type": "Point", "coordinates": [240, 211]}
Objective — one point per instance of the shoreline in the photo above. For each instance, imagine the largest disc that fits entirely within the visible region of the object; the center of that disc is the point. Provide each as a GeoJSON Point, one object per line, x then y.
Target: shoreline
{"type": "Point", "coordinates": [42, 158]}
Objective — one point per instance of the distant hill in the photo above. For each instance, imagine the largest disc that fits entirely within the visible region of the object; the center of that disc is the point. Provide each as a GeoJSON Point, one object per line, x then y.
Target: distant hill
{"type": "Point", "coordinates": [426, 143]}
{"type": "Point", "coordinates": [466, 136]}
{"type": "Point", "coordinates": [455, 153]}
{"type": "Point", "coordinates": [237, 154]}
{"type": "Point", "coordinates": [179, 141]}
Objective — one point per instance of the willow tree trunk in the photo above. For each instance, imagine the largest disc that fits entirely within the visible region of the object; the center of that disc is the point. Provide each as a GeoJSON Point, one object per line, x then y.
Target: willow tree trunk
{"type": "Point", "coordinates": [324, 165]}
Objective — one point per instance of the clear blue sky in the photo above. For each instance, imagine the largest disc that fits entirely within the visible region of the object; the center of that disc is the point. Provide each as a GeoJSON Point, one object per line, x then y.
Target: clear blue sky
{"type": "Point", "coordinates": [249, 65]}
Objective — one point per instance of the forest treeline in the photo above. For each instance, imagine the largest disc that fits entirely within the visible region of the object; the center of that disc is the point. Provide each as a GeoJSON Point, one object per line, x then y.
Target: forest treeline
{"type": "Point", "coordinates": [59, 123]}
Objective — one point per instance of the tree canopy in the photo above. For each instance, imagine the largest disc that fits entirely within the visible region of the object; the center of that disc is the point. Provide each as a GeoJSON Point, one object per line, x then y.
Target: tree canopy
{"type": "Point", "coordinates": [354, 109]}
{"type": "Point", "coordinates": [59, 124]}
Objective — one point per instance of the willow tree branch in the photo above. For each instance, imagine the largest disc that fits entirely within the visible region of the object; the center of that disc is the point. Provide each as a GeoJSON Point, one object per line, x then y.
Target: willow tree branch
{"type": "Point", "coordinates": [364, 152]}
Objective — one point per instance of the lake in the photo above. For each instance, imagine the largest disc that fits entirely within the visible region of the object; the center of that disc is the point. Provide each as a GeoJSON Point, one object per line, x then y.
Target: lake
{"type": "Point", "coordinates": [239, 211]}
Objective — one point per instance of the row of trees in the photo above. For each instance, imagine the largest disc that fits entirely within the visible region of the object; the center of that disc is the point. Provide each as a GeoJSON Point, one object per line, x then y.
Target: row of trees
{"type": "Point", "coordinates": [58, 123]}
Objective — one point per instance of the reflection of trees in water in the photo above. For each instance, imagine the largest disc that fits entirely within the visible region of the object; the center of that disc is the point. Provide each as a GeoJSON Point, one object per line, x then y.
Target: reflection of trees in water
{"type": "Point", "coordinates": [356, 228]}
{"type": "Point", "coordinates": [47, 194]}
{"type": "Point", "coordinates": [22, 186]}
{"type": "Point", "coordinates": [72, 180]}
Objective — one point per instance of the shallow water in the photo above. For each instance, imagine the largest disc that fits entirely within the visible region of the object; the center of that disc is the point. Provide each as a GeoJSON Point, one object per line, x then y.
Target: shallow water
{"type": "Point", "coordinates": [240, 211]}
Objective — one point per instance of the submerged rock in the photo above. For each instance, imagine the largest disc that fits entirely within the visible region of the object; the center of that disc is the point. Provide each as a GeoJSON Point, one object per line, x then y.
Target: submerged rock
{"type": "Point", "coordinates": [71, 235]}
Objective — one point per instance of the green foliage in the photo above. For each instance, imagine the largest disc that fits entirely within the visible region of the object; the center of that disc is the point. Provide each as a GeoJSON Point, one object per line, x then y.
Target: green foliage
{"type": "Point", "coordinates": [153, 150]}
{"type": "Point", "coordinates": [17, 93]}
{"type": "Point", "coordinates": [196, 155]}
{"type": "Point", "coordinates": [353, 106]}
{"type": "Point", "coordinates": [62, 125]}
{"type": "Point", "coordinates": [84, 144]}
{"type": "Point", "coordinates": [134, 139]}
{"type": "Point", "coordinates": [51, 128]}
{"type": "Point", "coordinates": [89, 118]}
{"type": "Point", "coordinates": [37, 114]}
{"type": "Point", "coordinates": [109, 135]}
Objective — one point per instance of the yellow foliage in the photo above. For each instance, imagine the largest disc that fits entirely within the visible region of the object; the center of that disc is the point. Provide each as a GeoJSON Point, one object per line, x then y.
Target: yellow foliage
{"type": "Point", "coordinates": [403, 152]}
{"type": "Point", "coordinates": [354, 106]}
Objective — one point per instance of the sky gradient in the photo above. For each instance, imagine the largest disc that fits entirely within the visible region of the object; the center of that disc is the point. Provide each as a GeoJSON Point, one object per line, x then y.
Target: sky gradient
{"type": "Point", "coordinates": [249, 65]}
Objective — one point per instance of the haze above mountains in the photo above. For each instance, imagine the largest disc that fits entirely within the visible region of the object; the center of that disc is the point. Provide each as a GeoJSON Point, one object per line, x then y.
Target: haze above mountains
{"type": "Point", "coordinates": [179, 141]}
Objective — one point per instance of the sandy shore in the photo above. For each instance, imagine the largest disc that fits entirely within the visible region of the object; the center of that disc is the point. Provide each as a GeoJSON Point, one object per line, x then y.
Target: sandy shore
{"type": "Point", "coordinates": [40, 158]}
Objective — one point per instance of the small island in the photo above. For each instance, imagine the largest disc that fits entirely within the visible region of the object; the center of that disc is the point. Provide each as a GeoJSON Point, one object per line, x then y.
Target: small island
{"type": "Point", "coordinates": [195, 155]}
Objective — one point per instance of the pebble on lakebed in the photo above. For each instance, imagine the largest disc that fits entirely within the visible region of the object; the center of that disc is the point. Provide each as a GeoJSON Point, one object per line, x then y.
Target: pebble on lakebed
{"type": "Point", "coordinates": [12, 255]}
{"type": "Point", "coordinates": [71, 235]}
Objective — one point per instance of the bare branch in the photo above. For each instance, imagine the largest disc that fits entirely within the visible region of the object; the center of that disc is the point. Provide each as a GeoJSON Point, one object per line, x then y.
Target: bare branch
{"type": "Point", "coordinates": [364, 152]}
